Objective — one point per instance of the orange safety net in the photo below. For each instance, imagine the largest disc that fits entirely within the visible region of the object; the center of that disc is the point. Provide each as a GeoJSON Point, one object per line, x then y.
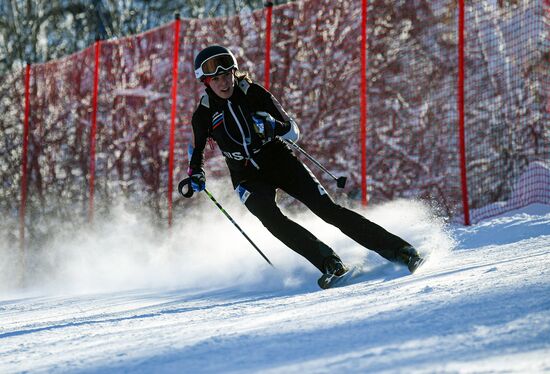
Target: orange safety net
{"type": "Point", "coordinates": [412, 135]}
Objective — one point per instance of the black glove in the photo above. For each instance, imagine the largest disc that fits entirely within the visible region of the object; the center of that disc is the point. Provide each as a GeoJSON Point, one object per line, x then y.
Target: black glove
{"type": "Point", "coordinates": [264, 125]}
{"type": "Point", "coordinates": [198, 180]}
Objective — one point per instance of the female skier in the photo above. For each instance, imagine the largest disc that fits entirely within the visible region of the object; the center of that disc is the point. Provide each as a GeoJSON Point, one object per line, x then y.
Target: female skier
{"type": "Point", "coordinates": [251, 129]}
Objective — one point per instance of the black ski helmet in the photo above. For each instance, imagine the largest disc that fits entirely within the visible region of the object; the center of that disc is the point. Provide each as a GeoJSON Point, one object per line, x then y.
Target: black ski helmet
{"type": "Point", "coordinates": [214, 60]}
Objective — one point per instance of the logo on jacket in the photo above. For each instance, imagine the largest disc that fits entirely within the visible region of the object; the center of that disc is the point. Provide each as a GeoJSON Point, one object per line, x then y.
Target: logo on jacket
{"type": "Point", "coordinates": [217, 119]}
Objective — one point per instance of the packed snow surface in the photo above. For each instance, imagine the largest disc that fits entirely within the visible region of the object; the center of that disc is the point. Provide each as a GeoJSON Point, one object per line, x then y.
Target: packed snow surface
{"type": "Point", "coordinates": [122, 298]}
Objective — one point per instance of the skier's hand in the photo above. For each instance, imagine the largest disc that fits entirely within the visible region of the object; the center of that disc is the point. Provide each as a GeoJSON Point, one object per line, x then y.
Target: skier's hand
{"type": "Point", "coordinates": [293, 132]}
{"type": "Point", "coordinates": [264, 125]}
{"type": "Point", "coordinates": [198, 181]}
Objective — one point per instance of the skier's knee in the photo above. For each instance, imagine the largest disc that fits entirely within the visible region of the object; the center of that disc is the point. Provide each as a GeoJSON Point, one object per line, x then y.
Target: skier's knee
{"type": "Point", "coordinates": [330, 212]}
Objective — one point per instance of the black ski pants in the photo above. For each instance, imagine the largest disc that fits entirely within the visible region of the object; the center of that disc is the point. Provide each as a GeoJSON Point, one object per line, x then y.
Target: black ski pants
{"type": "Point", "coordinates": [281, 169]}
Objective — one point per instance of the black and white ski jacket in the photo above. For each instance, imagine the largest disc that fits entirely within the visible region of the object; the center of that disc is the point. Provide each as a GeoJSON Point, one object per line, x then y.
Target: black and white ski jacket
{"type": "Point", "coordinates": [229, 122]}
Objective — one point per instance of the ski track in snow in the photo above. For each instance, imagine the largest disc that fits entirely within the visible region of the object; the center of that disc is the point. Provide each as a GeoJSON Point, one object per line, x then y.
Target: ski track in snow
{"type": "Point", "coordinates": [483, 306]}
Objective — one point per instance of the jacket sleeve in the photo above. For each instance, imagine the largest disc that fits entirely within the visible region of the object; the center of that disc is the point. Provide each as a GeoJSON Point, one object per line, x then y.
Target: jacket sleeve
{"type": "Point", "coordinates": [200, 125]}
{"type": "Point", "coordinates": [286, 127]}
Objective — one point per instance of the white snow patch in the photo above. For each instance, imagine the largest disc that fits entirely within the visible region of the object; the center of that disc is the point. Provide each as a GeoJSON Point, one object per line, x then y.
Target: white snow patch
{"type": "Point", "coordinates": [480, 303]}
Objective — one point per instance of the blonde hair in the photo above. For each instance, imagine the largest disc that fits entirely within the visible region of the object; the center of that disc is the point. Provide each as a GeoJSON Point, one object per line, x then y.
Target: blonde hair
{"type": "Point", "coordinates": [241, 74]}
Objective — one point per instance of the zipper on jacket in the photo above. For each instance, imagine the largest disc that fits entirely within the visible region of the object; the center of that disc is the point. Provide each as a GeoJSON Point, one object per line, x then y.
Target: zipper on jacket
{"type": "Point", "coordinates": [242, 134]}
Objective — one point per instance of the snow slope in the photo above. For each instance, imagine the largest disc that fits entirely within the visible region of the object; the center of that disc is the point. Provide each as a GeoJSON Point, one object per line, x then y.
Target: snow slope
{"type": "Point", "coordinates": [480, 304]}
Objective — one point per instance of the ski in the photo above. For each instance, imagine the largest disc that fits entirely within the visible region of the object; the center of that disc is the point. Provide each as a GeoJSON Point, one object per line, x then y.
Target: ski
{"type": "Point", "coordinates": [415, 263]}
{"type": "Point", "coordinates": [331, 280]}
{"type": "Point", "coordinates": [355, 271]}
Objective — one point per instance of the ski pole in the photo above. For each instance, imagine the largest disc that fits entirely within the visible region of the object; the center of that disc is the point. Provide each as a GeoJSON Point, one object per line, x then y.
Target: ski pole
{"type": "Point", "coordinates": [340, 181]}
{"type": "Point", "coordinates": [189, 193]}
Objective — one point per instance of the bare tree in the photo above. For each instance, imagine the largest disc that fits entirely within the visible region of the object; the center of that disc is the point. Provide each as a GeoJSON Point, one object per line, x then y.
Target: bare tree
{"type": "Point", "coordinates": [38, 31]}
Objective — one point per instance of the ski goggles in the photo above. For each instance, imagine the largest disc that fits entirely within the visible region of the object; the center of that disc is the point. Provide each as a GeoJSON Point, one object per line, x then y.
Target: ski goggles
{"type": "Point", "coordinates": [215, 65]}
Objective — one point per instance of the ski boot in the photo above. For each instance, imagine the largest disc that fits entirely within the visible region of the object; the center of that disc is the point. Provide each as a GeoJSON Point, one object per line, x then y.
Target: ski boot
{"type": "Point", "coordinates": [333, 270]}
{"type": "Point", "coordinates": [410, 257]}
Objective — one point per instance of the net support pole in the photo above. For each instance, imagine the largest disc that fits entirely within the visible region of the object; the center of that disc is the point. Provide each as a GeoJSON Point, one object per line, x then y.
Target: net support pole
{"type": "Point", "coordinates": [364, 102]}
{"type": "Point", "coordinates": [93, 129]}
{"type": "Point", "coordinates": [268, 23]}
{"type": "Point", "coordinates": [175, 66]}
{"type": "Point", "coordinates": [460, 105]}
{"type": "Point", "coordinates": [24, 163]}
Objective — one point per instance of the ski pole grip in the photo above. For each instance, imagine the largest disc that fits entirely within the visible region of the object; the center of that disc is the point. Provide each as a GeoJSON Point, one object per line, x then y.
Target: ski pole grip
{"type": "Point", "coordinates": [182, 184]}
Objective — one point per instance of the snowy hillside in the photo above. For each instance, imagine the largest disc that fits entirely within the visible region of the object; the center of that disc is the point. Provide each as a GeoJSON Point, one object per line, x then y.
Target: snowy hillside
{"type": "Point", "coordinates": [123, 299]}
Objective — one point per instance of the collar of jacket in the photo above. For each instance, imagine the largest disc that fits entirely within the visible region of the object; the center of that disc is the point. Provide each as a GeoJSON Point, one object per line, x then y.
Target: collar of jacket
{"type": "Point", "coordinates": [237, 96]}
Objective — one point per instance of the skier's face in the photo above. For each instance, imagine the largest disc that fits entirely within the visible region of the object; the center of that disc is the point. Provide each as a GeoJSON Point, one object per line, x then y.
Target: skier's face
{"type": "Point", "coordinates": [222, 85]}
